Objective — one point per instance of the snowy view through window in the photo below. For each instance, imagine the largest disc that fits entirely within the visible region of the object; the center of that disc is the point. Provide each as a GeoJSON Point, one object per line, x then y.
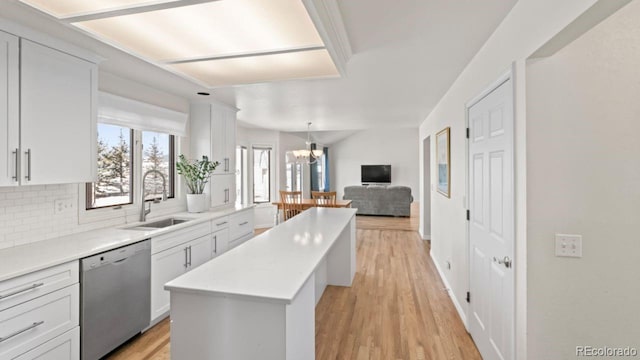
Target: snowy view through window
{"type": "Point", "coordinates": [115, 164]}
{"type": "Point", "coordinates": [261, 175]}
{"type": "Point", "coordinates": [155, 156]}
{"type": "Point", "coordinates": [114, 167]}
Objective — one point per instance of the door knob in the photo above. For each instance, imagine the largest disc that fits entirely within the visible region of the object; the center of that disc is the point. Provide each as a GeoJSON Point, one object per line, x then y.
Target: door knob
{"type": "Point", "coordinates": [506, 261]}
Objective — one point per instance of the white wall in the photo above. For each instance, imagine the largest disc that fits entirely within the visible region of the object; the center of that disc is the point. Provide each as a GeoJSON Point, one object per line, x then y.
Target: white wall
{"type": "Point", "coordinates": [397, 147]}
{"type": "Point", "coordinates": [529, 25]}
{"type": "Point", "coordinates": [583, 171]}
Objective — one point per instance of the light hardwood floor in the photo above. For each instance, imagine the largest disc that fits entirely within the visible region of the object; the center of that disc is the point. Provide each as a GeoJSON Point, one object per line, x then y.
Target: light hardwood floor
{"type": "Point", "coordinates": [397, 307]}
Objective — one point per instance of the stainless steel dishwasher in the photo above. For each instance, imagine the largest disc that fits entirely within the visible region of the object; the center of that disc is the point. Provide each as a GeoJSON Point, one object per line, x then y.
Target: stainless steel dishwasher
{"type": "Point", "coordinates": [115, 296]}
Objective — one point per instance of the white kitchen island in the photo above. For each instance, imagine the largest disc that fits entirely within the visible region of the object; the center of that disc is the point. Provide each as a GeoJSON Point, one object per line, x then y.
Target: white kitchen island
{"type": "Point", "coordinates": [258, 300]}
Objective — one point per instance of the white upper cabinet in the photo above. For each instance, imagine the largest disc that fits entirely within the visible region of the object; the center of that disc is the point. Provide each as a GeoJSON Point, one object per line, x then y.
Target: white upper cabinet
{"type": "Point", "coordinates": [213, 133]}
{"type": "Point", "coordinates": [223, 137]}
{"type": "Point", "coordinates": [9, 100]}
{"type": "Point", "coordinates": [222, 190]}
{"type": "Point", "coordinates": [48, 112]}
{"type": "Point", "coordinates": [58, 95]}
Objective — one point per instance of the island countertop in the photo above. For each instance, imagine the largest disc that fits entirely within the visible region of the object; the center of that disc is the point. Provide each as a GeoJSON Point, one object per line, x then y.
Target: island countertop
{"type": "Point", "coordinates": [274, 265]}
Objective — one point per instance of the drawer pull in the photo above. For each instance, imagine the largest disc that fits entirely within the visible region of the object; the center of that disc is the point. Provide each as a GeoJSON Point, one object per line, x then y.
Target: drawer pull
{"type": "Point", "coordinates": [32, 326]}
{"type": "Point", "coordinates": [222, 223]}
{"type": "Point", "coordinates": [31, 287]}
{"type": "Point", "coordinates": [243, 223]}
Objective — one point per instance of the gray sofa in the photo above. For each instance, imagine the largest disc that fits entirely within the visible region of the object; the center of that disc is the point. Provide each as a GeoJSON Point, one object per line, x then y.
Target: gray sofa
{"type": "Point", "coordinates": [380, 200]}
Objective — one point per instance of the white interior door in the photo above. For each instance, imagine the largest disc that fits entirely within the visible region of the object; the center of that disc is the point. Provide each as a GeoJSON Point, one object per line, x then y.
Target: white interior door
{"type": "Point", "coordinates": [491, 227]}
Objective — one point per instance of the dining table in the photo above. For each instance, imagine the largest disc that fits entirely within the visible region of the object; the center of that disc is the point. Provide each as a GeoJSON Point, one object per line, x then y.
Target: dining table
{"type": "Point", "coordinates": [309, 203]}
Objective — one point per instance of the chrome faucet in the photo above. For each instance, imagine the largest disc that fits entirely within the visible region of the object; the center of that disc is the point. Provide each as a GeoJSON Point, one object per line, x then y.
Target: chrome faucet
{"type": "Point", "coordinates": [143, 210]}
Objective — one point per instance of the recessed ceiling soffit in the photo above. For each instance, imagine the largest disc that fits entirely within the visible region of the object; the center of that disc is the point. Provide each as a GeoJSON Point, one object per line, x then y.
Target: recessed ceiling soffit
{"type": "Point", "coordinates": [217, 43]}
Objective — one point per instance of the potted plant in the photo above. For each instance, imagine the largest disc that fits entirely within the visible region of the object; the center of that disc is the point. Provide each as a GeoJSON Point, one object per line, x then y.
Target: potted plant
{"type": "Point", "coordinates": [196, 174]}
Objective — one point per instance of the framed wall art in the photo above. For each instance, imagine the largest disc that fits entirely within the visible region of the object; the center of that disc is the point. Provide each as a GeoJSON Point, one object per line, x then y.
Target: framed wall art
{"type": "Point", "coordinates": [443, 161]}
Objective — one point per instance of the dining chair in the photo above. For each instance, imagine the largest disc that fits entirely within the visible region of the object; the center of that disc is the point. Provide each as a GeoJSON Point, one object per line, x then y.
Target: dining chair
{"type": "Point", "coordinates": [324, 198]}
{"type": "Point", "coordinates": [291, 203]}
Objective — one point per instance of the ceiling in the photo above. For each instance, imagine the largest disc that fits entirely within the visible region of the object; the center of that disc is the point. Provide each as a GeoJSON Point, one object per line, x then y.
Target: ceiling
{"type": "Point", "coordinates": [404, 59]}
{"type": "Point", "coordinates": [211, 42]}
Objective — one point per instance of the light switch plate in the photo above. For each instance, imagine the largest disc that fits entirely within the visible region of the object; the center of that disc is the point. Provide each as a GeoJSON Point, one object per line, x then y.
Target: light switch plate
{"type": "Point", "coordinates": [568, 245]}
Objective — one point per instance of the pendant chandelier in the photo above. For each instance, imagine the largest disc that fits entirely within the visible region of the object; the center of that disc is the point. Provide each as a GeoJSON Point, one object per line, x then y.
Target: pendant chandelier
{"type": "Point", "coordinates": [308, 155]}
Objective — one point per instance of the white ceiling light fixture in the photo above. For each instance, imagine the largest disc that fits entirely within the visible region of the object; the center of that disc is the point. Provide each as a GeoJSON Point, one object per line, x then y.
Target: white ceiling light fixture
{"type": "Point", "coordinates": [63, 9]}
{"type": "Point", "coordinates": [213, 42]}
{"type": "Point", "coordinates": [308, 155]}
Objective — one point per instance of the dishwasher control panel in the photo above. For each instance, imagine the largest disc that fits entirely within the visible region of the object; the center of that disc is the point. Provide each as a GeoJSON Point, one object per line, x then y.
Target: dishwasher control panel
{"type": "Point", "coordinates": [114, 256]}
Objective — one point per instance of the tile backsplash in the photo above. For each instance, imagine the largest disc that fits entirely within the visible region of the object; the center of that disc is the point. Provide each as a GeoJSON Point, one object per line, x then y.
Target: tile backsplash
{"type": "Point", "coordinates": [28, 214]}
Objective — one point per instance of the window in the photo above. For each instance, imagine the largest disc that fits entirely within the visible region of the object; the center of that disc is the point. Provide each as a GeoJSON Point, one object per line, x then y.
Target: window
{"type": "Point", "coordinates": [298, 186]}
{"type": "Point", "coordinates": [115, 163]}
{"type": "Point", "coordinates": [241, 175]}
{"type": "Point", "coordinates": [158, 154]}
{"type": "Point", "coordinates": [289, 173]}
{"type": "Point", "coordinates": [116, 171]}
{"type": "Point", "coordinates": [261, 174]}
{"type": "Point", "coordinates": [318, 174]}
{"type": "Point", "coordinates": [294, 176]}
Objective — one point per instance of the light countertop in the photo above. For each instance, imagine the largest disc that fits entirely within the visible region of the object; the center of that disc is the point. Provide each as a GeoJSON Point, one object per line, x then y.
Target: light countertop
{"type": "Point", "coordinates": [39, 255]}
{"type": "Point", "coordinates": [274, 265]}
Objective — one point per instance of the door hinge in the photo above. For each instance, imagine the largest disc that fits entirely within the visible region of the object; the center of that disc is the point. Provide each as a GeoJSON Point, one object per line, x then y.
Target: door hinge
{"type": "Point", "coordinates": [468, 133]}
{"type": "Point", "coordinates": [468, 297]}
{"type": "Point", "coordinates": [468, 215]}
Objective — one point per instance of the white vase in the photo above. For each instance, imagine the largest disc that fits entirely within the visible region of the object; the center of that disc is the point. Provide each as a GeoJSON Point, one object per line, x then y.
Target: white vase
{"type": "Point", "coordinates": [196, 203]}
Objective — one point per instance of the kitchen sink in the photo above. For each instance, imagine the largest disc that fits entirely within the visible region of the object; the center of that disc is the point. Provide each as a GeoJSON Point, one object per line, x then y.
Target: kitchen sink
{"type": "Point", "coordinates": [160, 224]}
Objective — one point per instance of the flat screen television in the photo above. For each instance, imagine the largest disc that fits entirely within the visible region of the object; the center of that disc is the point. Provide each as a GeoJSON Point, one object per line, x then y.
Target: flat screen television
{"type": "Point", "coordinates": [375, 174]}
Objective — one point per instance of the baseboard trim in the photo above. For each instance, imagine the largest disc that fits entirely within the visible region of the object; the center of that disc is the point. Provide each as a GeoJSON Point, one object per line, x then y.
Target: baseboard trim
{"type": "Point", "coordinates": [453, 297]}
{"type": "Point", "coordinates": [423, 236]}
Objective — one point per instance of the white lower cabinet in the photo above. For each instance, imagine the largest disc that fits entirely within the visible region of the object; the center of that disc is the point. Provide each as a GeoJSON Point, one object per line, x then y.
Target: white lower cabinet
{"type": "Point", "coordinates": [171, 263]}
{"type": "Point", "coordinates": [199, 251]}
{"type": "Point", "coordinates": [165, 266]}
{"type": "Point", "coordinates": [219, 242]}
{"type": "Point", "coordinates": [43, 320]}
{"type": "Point", "coordinates": [63, 347]}
{"type": "Point", "coordinates": [192, 247]}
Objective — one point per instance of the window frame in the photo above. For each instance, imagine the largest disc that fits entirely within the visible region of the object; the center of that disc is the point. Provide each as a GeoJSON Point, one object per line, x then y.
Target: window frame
{"type": "Point", "coordinates": [136, 171]}
{"type": "Point", "coordinates": [253, 180]}
{"type": "Point", "coordinates": [171, 189]}
{"type": "Point", "coordinates": [89, 186]}
{"type": "Point", "coordinates": [242, 164]}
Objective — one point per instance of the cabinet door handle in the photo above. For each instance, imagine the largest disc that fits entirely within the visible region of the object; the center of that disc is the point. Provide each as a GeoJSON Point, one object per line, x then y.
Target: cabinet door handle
{"type": "Point", "coordinates": [17, 154]}
{"type": "Point", "coordinates": [226, 164]}
{"type": "Point", "coordinates": [16, 292]}
{"type": "Point", "coordinates": [186, 262]}
{"type": "Point", "coordinates": [215, 244]}
{"type": "Point", "coordinates": [243, 223]}
{"type": "Point", "coordinates": [220, 224]}
{"type": "Point", "coordinates": [16, 333]}
{"type": "Point", "coordinates": [28, 176]}
{"type": "Point", "coordinates": [189, 255]}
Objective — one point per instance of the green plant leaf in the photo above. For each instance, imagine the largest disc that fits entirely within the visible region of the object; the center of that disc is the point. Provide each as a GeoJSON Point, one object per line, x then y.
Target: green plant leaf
{"type": "Point", "coordinates": [196, 172]}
